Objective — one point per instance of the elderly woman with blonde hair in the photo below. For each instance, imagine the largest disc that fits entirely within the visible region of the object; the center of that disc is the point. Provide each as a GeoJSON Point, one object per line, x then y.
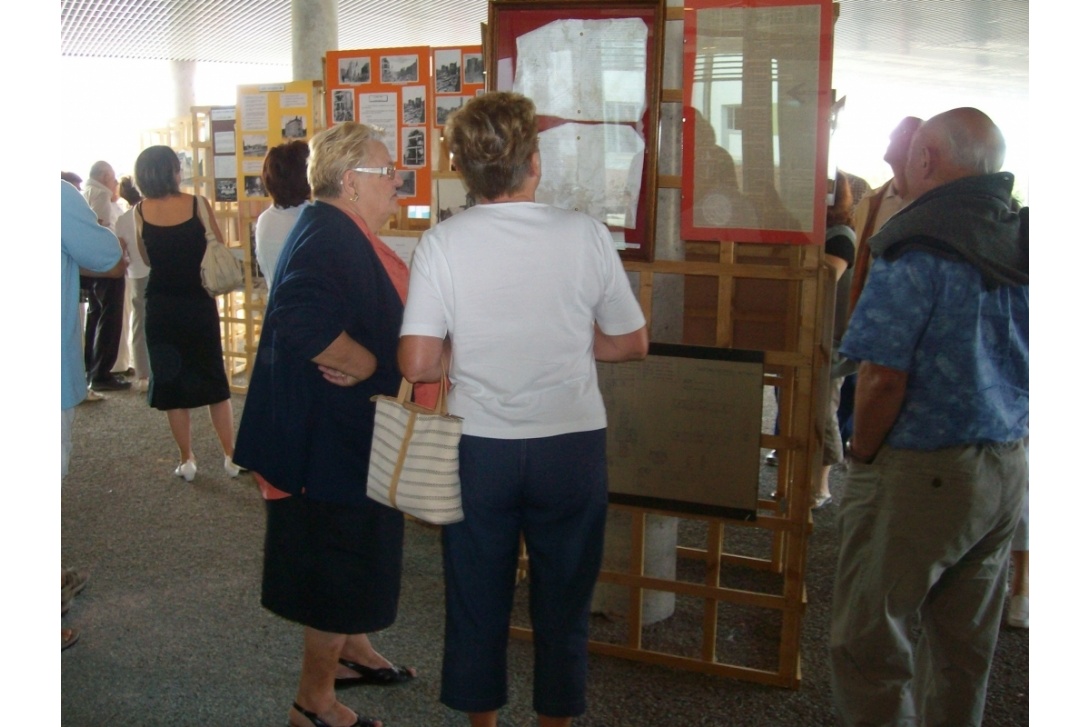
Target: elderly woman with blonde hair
{"type": "Point", "coordinates": [520, 298]}
{"type": "Point", "coordinates": [328, 344]}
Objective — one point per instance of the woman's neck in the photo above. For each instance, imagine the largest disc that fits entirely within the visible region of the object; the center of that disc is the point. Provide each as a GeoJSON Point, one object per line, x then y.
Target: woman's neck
{"type": "Point", "coordinates": [516, 197]}
{"type": "Point", "coordinates": [345, 206]}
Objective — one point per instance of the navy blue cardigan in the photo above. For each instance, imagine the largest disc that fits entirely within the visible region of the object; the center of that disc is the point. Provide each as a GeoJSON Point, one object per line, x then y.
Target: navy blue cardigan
{"type": "Point", "coordinates": [304, 435]}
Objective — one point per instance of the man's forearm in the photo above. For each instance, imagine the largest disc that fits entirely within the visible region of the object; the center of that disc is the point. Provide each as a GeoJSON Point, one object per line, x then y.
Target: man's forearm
{"type": "Point", "coordinates": [879, 394]}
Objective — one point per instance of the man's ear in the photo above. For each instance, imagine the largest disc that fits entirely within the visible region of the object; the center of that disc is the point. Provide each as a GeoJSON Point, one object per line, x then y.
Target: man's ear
{"type": "Point", "coordinates": [928, 162]}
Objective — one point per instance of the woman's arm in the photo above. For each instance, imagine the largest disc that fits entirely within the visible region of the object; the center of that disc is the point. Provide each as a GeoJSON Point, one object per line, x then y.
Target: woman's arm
{"type": "Point", "coordinates": [625, 347]}
{"type": "Point", "coordinates": [345, 362]}
{"type": "Point", "coordinates": [421, 358]}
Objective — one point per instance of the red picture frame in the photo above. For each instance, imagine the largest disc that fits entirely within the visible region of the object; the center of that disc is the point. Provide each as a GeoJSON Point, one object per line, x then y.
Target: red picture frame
{"type": "Point", "coordinates": [762, 70]}
{"type": "Point", "coordinates": [508, 20]}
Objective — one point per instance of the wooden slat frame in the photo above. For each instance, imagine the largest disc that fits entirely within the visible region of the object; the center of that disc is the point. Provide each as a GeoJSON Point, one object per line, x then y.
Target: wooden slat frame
{"type": "Point", "coordinates": [800, 372]}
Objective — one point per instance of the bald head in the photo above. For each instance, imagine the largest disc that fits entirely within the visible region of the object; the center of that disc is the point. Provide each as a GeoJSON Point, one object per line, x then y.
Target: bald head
{"type": "Point", "coordinates": [955, 144]}
{"type": "Point", "coordinates": [103, 173]}
{"type": "Point", "coordinates": [99, 170]}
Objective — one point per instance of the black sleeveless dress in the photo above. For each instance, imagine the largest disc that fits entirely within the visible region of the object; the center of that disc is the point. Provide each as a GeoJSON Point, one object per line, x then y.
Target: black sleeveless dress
{"type": "Point", "coordinates": [181, 320]}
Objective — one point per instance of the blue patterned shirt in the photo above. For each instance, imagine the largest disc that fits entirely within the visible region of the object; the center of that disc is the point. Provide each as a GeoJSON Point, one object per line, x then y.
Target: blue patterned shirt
{"type": "Point", "coordinates": [965, 348]}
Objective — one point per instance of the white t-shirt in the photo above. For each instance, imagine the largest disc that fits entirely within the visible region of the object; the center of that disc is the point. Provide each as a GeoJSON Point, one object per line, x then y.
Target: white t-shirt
{"type": "Point", "coordinates": [519, 287]}
{"type": "Point", "coordinates": [270, 232]}
{"type": "Point", "coordinates": [126, 231]}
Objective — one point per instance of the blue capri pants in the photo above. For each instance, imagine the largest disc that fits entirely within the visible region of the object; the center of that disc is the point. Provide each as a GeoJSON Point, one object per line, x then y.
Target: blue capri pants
{"type": "Point", "coordinates": [552, 491]}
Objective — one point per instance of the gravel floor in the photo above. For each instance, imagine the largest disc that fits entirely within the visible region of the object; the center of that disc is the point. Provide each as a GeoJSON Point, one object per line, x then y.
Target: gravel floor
{"type": "Point", "coordinates": [173, 632]}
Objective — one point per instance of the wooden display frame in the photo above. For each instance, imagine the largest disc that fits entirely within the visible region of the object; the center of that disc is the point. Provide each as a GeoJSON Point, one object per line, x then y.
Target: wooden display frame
{"type": "Point", "coordinates": [800, 367]}
{"type": "Point", "coordinates": [510, 19]}
{"type": "Point", "coordinates": [777, 299]}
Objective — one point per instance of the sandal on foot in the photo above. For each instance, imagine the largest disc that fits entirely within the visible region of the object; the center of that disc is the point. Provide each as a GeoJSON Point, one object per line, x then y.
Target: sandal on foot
{"type": "Point", "coordinates": [74, 580]}
{"type": "Point", "coordinates": [385, 677]}
{"type": "Point", "coordinates": [68, 638]}
{"type": "Point", "coordinates": [317, 721]}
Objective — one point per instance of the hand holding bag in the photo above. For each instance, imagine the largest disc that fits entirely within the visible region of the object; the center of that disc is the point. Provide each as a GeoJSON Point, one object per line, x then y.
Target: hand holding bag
{"type": "Point", "coordinates": [414, 457]}
{"type": "Point", "coordinates": [221, 272]}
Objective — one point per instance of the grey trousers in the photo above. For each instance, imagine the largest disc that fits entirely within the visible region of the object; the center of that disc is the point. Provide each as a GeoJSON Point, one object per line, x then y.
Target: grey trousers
{"type": "Point", "coordinates": [924, 542]}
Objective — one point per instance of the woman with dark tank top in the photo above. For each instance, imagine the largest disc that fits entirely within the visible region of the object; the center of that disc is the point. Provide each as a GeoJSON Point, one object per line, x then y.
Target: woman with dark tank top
{"type": "Point", "coordinates": [182, 321]}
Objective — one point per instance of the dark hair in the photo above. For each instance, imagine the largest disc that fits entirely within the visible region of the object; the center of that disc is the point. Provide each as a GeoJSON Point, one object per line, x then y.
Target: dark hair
{"type": "Point", "coordinates": [285, 173]}
{"type": "Point", "coordinates": [493, 138]}
{"type": "Point", "coordinates": [127, 190]}
{"type": "Point", "coordinates": [72, 178]}
{"type": "Point", "coordinates": [840, 211]}
{"type": "Point", "coordinates": [156, 172]}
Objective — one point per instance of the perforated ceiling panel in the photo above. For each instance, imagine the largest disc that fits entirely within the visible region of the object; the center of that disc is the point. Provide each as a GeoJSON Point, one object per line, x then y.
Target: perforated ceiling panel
{"type": "Point", "coordinates": [254, 31]}
{"type": "Point", "coordinates": [985, 36]}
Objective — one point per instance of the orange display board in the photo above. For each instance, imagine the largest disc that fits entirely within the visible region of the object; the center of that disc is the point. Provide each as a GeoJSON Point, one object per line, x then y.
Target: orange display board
{"type": "Point", "coordinates": [391, 89]}
{"type": "Point", "coordinates": [459, 76]}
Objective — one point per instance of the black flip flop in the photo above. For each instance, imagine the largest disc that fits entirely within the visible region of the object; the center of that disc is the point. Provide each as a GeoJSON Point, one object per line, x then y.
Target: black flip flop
{"type": "Point", "coordinates": [317, 721]}
{"type": "Point", "coordinates": [385, 677]}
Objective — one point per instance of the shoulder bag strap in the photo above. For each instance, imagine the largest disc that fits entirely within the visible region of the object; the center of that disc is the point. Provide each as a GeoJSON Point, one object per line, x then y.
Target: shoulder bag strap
{"type": "Point", "coordinates": [201, 210]}
{"type": "Point", "coordinates": [138, 222]}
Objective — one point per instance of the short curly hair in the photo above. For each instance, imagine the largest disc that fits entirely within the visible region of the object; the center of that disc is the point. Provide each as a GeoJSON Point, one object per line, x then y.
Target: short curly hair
{"type": "Point", "coordinates": [493, 138]}
{"type": "Point", "coordinates": [156, 172]}
{"type": "Point", "coordinates": [334, 151]}
{"type": "Point", "coordinates": [126, 189]}
{"type": "Point", "coordinates": [285, 173]}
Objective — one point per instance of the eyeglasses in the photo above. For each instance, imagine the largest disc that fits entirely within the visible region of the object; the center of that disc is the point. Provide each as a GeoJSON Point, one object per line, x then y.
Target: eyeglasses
{"type": "Point", "coordinates": [388, 172]}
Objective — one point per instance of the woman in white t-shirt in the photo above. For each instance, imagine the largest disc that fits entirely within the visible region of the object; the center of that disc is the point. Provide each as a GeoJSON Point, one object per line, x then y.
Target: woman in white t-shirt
{"type": "Point", "coordinates": [285, 177]}
{"type": "Point", "coordinates": [516, 300]}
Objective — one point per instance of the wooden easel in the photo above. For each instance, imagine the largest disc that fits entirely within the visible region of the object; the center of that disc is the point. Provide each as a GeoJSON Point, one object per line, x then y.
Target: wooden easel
{"type": "Point", "coordinates": [776, 299]}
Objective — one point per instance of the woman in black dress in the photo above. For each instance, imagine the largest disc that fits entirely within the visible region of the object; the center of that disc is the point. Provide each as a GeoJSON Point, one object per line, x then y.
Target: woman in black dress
{"type": "Point", "coordinates": [182, 321]}
{"type": "Point", "coordinates": [329, 344]}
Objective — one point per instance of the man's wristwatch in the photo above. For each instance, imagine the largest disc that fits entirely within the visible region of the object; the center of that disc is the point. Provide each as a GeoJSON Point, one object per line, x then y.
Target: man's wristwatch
{"type": "Point", "coordinates": [856, 458]}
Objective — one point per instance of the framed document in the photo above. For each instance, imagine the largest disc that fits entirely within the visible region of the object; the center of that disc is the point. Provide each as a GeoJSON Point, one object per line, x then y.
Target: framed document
{"type": "Point", "coordinates": [755, 142]}
{"type": "Point", "coordinates": [593, 70]}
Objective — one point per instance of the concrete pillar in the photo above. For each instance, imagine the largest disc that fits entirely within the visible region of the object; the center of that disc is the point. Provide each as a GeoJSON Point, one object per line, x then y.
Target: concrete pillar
{"type": "Point", "coordinates": [185, 95]}
{"type": "Point", "coordinates": [659, 561]}
{"type": "Point", "coordinates": [313, 32]}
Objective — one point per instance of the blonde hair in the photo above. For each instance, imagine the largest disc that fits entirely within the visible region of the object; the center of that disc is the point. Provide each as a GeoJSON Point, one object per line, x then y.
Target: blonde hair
{"type": "Point", "coordinates": [493, 138]}
{"type": "Point", "coordinates": [336, 150]}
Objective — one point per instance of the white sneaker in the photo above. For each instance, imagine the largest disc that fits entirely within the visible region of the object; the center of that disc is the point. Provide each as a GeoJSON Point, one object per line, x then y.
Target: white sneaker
{"type": "Point", "coordinates": [230, 467]}
{"type": "Point", "coordinates": [1018, 612]}
{"type": "Point", "coordinates": [186, 470]}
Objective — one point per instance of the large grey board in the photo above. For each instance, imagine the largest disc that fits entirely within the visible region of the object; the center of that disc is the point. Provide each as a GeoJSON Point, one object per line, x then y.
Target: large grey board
{"type": "Point", "coordinates": [684, 429]}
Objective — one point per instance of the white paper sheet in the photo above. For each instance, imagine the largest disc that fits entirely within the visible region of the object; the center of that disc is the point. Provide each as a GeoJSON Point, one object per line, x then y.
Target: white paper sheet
{"type": "Point", "coordinates": [593, 168]}
{"type": "Point", "coordinates": [585, 70]}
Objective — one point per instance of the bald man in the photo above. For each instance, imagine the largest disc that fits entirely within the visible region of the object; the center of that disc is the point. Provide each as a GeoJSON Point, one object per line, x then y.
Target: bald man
{"type": "Point", "coordinates": [937, 466]}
